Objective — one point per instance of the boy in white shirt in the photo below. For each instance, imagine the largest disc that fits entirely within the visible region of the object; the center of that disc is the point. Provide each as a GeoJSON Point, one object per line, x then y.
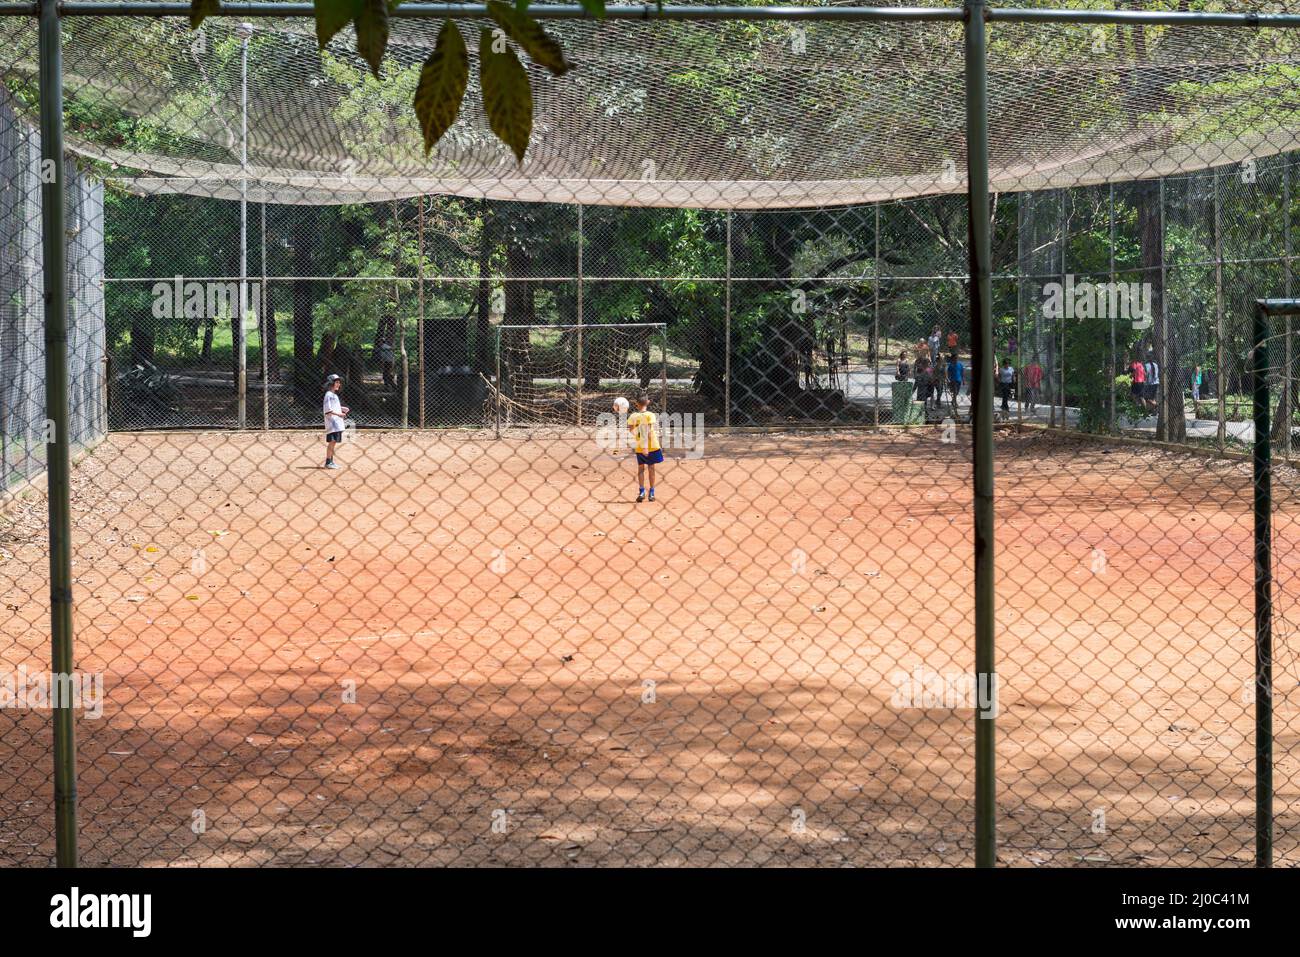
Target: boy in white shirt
{"type": "Point", "coordinates": [334, 412]}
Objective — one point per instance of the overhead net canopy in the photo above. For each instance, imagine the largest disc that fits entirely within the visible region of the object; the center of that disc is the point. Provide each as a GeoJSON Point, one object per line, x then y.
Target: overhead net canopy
{"type": "Point", "coordinates": [719, 114]}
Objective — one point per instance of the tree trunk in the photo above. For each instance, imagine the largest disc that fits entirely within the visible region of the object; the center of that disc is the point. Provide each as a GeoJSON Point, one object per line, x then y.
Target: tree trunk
{"type": "Point", "coordinates": [1286, 400]}
{"type": "Point", "coordinates": [236, 312]}
{"type": "Point", "coordinates": [1286, 407]}
{"type": "Point", "coordinates": [142, 337]}
{"type": "Point", "coordinates": [272, 338]}
{"type": "Point", "coordinates": [325, 361]}
{"type": "Point", "coordinates": [304, 346]}
{"type": "Point", "coordinates": [644, 366]}
{"type": "Point", "coordinates": [1171, 425]}
{"type": "Point", "coordinates": [520, 311]}
{"type": "Point", "coordinates": [483, 352]}
{"type": "Point", "coordinates": [782, 362]}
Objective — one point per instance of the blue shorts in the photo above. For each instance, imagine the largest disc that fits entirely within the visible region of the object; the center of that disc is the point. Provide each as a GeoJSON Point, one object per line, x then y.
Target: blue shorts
{"type": "Point", "coordinates": [650, 458]}
{"type": "Point", "coordinates": [333, 436]}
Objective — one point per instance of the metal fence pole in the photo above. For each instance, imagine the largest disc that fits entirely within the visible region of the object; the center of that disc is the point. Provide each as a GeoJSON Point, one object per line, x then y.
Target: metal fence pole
{"type": "Point", "coordinates": [663, 345]}
{"type": "Point", "coordinates": [1221, 432]}
{"type": "Point", "coordinates": [241, 337]}
{"type": "Point", "coordinates": [726, 334]}
{"type": "Point", "coordinates": [875, 328]}
{"type": "Point", "coordinates": [264, 302]}
{"type": "Point", "coordinates": [1262, 464]}
{"type": "Point", "coordinates": [981, 307]}
{"type": "Point", "coordinates": [58, 462]}
{"type": "Point", "coordinates": [1165, 341]}
{"type": "Point", "coordinates": [1063, 226]}
{"type": "Point", "coordinates": [579, 307]}
{"type": "Point", "coordinates": [1020, 354]}
{"type": "Point", "coordinates": [419, 321]}
{"type": "Point", "coordinates": [1114, 361]}
{"type": "Point", "coordinates": [1052, 361]}
{"type": "Point", "coordinates": [1288, 372]}
{"type": "Point", "coordinates": [406, 364]}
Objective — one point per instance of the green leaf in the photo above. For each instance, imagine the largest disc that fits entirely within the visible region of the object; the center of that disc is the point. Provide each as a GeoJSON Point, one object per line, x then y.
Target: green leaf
{"type": "Point", "coordinates": [443, 79]}
{"type": "Point", "coordinates": [596, 8]}
{"type": "Point", "coordinates": [201, 9]}
{"type": "Point", "coordinates": [372, 33]}
{"type": "Point", "coordinates": [332, 16]}
{"type": "Point", "coordinates": [528, 33]}
{"type": "Point", "coordinates": [507, 95]}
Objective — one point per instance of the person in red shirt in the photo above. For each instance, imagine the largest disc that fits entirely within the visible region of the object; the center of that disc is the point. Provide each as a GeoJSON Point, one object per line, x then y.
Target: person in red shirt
{"type": "Point", "coordinates": [1138, 388]}
{"type": "Point", "coordinates": [1033, 382]}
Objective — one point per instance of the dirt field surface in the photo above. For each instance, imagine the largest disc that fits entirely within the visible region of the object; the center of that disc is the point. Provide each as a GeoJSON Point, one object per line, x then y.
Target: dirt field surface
{"type": "Point", "coordinates": [476, 651]}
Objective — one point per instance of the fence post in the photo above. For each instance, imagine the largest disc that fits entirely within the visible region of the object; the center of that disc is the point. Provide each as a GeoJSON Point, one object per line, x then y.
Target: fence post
{"type": "Point", "coordinates": [419, 322]}
{"type": "Point", "coordinates": [579, 309]}
{"type": "Point", "coordinates": [726, 335]}
{"type": "Point", "coordinates": [1220, 386]}
{"type": "Point", "coordinates": [1287, 405]}
{"type": "Point", "coordinates": [1114, 359]}
{"type": "Point", "coordinates": [241, 331]}
{"type": "Point", "coordinates": [264, 303]}
{"type": "Point", "coordinates": [54, 276]}
{"type": "Point", "coordinates": [981, 307]}
{"type": "Point", "coordinates": [1064, 232]}
{"type": "Point", "coordinates": [1262, 466]}
{"type": "Point", "coordinates": [875, 327]}
{"type": "Point", "coordinates": [663, 345]}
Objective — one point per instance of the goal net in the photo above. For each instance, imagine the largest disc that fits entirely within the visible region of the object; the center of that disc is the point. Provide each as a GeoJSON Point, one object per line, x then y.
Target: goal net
{"type": "Point", "coordinates": [569, 374]}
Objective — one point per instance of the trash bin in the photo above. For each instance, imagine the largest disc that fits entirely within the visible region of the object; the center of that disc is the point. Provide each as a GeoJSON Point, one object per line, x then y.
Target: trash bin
{"type": "Point", "coordinates": [904, 410]}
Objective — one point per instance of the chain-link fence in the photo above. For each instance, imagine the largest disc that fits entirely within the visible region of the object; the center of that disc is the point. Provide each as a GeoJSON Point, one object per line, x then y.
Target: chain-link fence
{"type": "Point", "coordinates": [812, 320]}
{"type": "Point", "coordinates": [514, 621]}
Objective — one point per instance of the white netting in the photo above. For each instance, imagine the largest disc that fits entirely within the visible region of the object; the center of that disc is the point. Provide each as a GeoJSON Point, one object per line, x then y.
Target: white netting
{"type": "Point", "coordinates": [22, 342]}
{"type": "Point", "coordinates": [680, 113]}
{"type": "Point", "coordinates": [569, 375]}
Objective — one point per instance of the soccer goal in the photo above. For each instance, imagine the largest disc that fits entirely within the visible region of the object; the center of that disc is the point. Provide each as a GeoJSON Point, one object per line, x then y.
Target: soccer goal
{"type": "Point", "coordinates": [553, 375]}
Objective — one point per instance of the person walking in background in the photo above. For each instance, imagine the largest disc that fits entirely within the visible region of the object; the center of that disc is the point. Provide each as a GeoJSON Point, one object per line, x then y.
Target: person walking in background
{"type": "Point", "coordinates": [1033, 378]}
{"type": "Point", "coordinates": [903, 369]}
{"type": "Point", "coordinates": [923, 380]}
{"type": "Point", "coordinates": [935, 341]}
{"type": "Point", "coordinates": [956, 373]}
{"type": "Point", "coordinates": [938, 378]}
{"type": "Point", "coordinates": [1138, 389]}
{"type": "Point", "coordinates": [1006, 377]}
{"type": "Point", "coordinates": [1152, 389]}
{"type": "Point", "coordinates": [952, 342]}
{"type": "Point", "coordinates": [1197, 379]}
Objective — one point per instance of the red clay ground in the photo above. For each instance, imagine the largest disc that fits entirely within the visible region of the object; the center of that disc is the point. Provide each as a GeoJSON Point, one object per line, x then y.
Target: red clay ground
{"type": "Point", "coordinates": [545, 672]}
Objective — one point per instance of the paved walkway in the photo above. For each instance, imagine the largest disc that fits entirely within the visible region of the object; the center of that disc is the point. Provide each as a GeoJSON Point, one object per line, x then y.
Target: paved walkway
{"type": "Point", "coordinates": [861, 387]}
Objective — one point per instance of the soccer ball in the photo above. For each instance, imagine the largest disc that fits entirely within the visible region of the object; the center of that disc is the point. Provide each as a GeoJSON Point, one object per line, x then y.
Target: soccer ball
{"type": "Point", "coordinates": [620, 405]}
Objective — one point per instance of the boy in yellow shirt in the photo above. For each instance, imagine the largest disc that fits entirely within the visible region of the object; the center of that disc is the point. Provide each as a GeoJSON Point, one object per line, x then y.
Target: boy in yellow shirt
{"type": "Point", "coordinates": [645, 434]}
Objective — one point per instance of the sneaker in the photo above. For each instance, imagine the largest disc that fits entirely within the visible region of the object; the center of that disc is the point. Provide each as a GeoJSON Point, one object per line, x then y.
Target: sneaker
{"type": "Point", "coordinates": [331, 465]}
{"type": "Point", "coordinates": [652, 495]}
{"type": "Point", "coordinates": [640, 497]}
